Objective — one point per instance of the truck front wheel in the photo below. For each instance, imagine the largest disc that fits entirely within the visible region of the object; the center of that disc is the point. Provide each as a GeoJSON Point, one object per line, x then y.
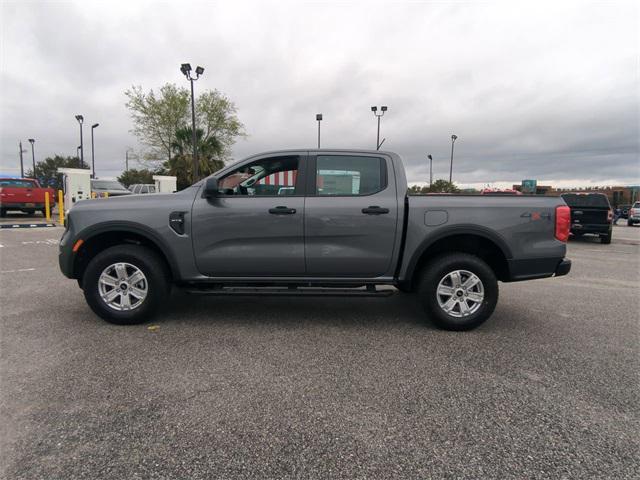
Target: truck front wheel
{"type": "Point", "coordinates": [126, 284]}
{"type": "Point", "coordinates": [458, 291]}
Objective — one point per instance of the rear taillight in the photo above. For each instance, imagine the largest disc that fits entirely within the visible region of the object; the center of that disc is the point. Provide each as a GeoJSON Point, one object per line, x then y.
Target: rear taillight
{"type": "Point", "coordinates": [563, 223]}
{"type": "Point", "coordinates": [632, 212]}
{"type": "Point", "coordinates": [610, 215]}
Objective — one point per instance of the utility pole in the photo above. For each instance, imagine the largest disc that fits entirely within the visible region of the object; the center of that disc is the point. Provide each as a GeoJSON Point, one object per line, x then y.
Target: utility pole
{"type": "Point", "coordinates": [430, 170]}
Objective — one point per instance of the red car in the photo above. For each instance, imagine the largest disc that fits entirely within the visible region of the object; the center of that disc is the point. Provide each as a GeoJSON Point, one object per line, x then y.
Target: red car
{"type": "Point", "coordinates": [23, 194]}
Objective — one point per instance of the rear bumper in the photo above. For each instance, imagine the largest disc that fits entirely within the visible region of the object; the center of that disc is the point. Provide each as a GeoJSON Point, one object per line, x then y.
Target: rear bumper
{"type": "Point", "coordinates": [591, 228]}
{"type": "Point", "coordinates": [22, 205]}
{"type": "Point", "coordinates": [533, 268]}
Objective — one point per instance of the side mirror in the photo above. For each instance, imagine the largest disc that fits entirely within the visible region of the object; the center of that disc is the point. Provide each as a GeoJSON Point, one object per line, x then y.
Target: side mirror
{"type": "Point", "coordinates": [211, 188]}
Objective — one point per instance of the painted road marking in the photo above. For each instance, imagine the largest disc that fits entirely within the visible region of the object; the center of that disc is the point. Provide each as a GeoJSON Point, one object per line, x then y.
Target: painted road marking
{"type": "Point", "coordinates": [18, 270]}
{"type": "Point", "coordinates": [26, 225]}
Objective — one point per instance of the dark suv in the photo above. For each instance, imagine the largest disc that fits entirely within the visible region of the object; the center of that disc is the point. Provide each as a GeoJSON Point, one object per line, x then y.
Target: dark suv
{"type": "Point", "coordinates": [590, 213]}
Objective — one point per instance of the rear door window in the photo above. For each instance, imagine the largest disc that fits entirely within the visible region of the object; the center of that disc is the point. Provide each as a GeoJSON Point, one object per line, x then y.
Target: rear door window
{"type": "Point", "coordinates": [349, 175]}
{"type": "Point", "coordinates": [594, 200]}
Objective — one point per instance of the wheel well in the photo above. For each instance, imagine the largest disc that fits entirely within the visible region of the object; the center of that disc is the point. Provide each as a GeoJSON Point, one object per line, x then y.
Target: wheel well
{"type": "Point", "coordinates": [467, 243]}
{"type": "Point", "coordinates": [96, 244]}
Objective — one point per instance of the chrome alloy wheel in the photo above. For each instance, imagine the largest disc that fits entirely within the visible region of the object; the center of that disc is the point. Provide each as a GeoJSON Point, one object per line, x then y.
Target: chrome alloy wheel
{"type": "Point", "coordinates": [123, 286]}
{"type": "Point", "coordinates": [460, 293]}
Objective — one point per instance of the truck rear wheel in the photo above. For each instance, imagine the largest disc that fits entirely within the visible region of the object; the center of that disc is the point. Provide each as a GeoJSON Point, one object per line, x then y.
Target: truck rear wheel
{"type": "Point", "coordinates": [606, 239]}
{"type": "Point", "coordinates": [126, 284]}
{"type": "Point", "coordinates": [458, 291]}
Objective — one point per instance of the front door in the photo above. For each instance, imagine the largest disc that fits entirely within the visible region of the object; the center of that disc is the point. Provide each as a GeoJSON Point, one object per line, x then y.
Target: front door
{"type": "Point", "coordinates": [351, 216]}
{"type": "Point", "coordinates": [255, 225]}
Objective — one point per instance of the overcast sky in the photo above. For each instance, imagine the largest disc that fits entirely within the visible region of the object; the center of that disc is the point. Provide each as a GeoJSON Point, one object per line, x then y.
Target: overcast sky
{"type": "Point", "coordinates": [548, 91]}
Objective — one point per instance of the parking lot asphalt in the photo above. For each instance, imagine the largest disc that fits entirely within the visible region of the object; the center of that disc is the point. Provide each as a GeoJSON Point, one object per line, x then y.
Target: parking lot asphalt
{"type": "Point", "coordinates": [265, 387]}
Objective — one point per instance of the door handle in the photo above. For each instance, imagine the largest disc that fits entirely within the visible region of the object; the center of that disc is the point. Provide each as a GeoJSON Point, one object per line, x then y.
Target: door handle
{"type": "Point", "coordinates": [375, 210]}
{"type": "Point", "coordinates": [281, 210]}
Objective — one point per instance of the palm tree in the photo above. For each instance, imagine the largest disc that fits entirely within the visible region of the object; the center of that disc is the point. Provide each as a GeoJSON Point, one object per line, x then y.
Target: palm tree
{"type": "Point", "coordinates": [210, 151]}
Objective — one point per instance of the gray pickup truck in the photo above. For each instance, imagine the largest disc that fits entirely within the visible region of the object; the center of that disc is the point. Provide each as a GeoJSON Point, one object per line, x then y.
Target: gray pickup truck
{"type": "Point", "coordinates": [312, 222]}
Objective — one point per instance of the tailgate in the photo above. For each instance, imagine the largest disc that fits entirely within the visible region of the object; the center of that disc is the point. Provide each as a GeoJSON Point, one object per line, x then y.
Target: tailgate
{"type": "Point", "coordinates": [587, 216]}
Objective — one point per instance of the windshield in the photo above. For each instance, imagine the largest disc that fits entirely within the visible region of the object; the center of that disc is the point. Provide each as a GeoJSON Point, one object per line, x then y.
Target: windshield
{"type": "Point", "coordinates": [586, 200]}
{"type": "Point", "coordinates": [106, 185]}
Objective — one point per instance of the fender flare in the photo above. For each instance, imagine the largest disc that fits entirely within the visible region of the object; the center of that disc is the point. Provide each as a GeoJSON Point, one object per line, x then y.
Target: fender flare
{"type": "Point", "coordinates": [131, 227]}
{"type": "Point", "coordinates": [451, 231]}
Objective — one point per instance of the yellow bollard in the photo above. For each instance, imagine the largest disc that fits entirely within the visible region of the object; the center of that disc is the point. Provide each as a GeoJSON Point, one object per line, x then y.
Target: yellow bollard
{"type": "Point", "coordinates": [93, 195]}
{"type": "Point", "coordinates": [47, 206]}
{"type": "Point", "coordinates": [60, 207]}
{"type": "Point", "coordinates": [106, 194]}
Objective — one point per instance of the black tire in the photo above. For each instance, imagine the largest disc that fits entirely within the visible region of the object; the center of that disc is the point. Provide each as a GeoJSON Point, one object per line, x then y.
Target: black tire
{"type": "Point", "coordinates": [44, 212]}
{"type": "Point", "coordinates": [3, 212]}
{"type": "Point", "coordinates": [629, 223]}
{"type": "Point", "coordinates": [439, 268]}
{"type": "Point", "coordinates": [144, 259]}
{"type": "Point", "coordinates": [606, 239]}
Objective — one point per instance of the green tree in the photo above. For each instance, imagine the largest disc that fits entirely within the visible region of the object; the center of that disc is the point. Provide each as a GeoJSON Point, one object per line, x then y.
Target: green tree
{"type": "Point", "coordinates": [439, 186]}
{"type": "Point", "coordinates": [443, 186]}
{"type": "Point", "coordinates": [47, 170]}
{"type": "Point", "coordinates": [159, 118]}
{"type": "Point", "coordinates": [210, 153]}
{"type": "Point", "coordinates": [133, 176]}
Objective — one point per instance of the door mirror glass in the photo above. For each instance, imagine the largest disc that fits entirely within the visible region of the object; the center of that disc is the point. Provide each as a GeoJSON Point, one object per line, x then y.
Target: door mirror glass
{"type": "Point", "coordinates": [211, 187]}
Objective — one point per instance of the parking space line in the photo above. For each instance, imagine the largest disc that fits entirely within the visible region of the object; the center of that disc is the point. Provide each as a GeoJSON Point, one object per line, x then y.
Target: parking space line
{"type": "Point", "coordinates": [18, 270]}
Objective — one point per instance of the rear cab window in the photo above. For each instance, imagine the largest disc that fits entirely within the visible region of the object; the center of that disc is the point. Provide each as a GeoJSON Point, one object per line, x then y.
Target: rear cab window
{"type": "Point", "coordinates": [586, 200]}
{"type": "Point", "coordinates": [16, 183]}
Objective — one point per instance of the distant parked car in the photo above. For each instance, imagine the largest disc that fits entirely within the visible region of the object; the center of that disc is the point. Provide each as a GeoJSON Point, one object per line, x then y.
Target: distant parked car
{"type": "Point", "coordinates": [111, 187]}
{"type": "Point", "coordinates": [634, 214]}
{"type": "Point", "coordinates": [25, 195]}
{"type": "Point", "coordinates": [624, 210]}
{"type": "Point", "coordinates": [138, 188]}
{"type": "Point", "coordinates": [590, 213]}
{"type": "Point", "coordinates": [496, 191]}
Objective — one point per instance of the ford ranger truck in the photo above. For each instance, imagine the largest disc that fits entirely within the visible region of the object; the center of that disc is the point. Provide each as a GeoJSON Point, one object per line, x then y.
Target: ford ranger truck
{"type": "Point", "coordinates": [25, 195]}
{"type": "Point", "coordinates": [312, 222]}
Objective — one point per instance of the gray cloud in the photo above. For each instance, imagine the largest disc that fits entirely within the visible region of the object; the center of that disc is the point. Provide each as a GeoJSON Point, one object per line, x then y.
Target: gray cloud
{"type": "Point", "coordinates": [533, 90]}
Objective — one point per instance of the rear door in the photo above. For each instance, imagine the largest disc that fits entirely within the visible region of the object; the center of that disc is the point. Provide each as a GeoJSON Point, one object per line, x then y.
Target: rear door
{"type": "Point", "coordinates": [254, 228]}
{"type": "Point", "coordinates": [351, 215]}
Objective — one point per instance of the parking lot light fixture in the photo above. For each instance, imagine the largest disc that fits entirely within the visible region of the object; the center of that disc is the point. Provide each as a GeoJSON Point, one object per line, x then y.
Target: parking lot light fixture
{"type": "Point", "coordinates": [319, 119]}
{"type": "Point", "coordinates": [430, 169]}
{"type": "Point", "coordinates": [93, 156]}
{"type": "Point", "coordinates": [383, 109]}
{"type": "Point", "coordinates": [453, 140]}
{"type": "Point", "coordinates": [33, 156]}
{"type": "Point", "coordinates": [80, 120]}
{"type": "Point", "coordinates": [185, 68]}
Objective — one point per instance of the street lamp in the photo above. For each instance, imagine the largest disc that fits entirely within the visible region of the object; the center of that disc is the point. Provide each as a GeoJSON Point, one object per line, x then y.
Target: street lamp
{"type": "Point", "coordinates": [319, 119]}
{"type": "Point", "coordinates": [453, 140]}
{"type": "Point", "coordinates": [33, 156]}
{"type": "Point", "coordinates": [80, 119]}
{"type": "Point", "coordinates": [430, 169]}
{"type": "Point", "coordinates": [126, 159]}
{"type": "Point", "coordinates": [93, 157]}
{"type": "Point", "coordinates": [78, 153]}
{"type": "Point", "coordinates": [379, 115]}
{"type": "Point", "coordinates": [185, 68]}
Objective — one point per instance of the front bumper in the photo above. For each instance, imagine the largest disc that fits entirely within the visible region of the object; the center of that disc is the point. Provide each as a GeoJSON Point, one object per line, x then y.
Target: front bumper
{"type": "Point", "coordinates": [533, 268]}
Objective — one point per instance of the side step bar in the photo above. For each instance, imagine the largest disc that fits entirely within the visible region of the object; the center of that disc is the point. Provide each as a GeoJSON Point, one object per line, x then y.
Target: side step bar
{"type": "Point", "coordinates": [293, 291]}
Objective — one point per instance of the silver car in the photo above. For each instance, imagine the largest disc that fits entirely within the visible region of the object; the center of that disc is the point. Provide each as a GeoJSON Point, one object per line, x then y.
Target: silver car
{"type": "Point", "coordinates": [634, 214]}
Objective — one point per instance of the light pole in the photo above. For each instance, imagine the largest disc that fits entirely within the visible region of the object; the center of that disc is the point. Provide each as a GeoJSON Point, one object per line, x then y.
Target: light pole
{"type": "Point", "coordinates": [126, 159]}
{"type": "Point", "coordinates": [319, 119]}
{"type": "Point", "coordinates": [78, 154]}
{"type": "Point", "coordinates": [185, 68]}
{"type": "Point", "coordinates": [80, 119]}
{"type": "Point", "coordinates": [379, 116]}
{"type": "Point", "coordinates": [430, 169]}
{"type": "Point", "coordinates": [93, 157]}
{"type": "Point", "coordinates": [453, 140]}
{"type": "Point", "coordinates": [33, 156]}
{"type": "Point", "coordinates": [21, 151]}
